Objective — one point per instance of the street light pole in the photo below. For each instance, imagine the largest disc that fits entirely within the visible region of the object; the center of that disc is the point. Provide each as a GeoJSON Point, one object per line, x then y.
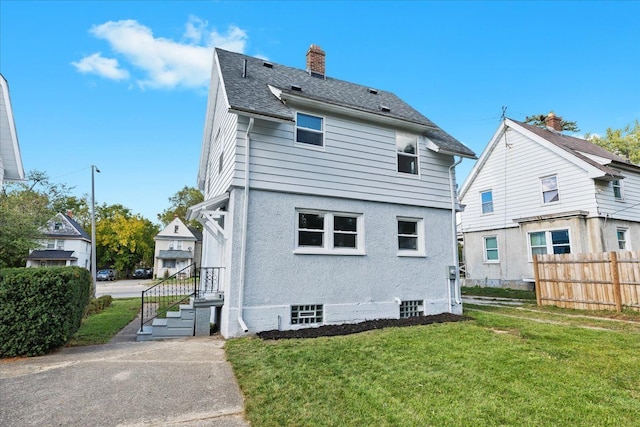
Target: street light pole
{"type": "Point", "coordinates": [94, 168]}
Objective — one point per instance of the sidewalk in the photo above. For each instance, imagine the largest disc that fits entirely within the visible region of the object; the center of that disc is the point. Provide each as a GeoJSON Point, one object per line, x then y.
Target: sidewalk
{"type": "Point", "coordinates": [185, 382]}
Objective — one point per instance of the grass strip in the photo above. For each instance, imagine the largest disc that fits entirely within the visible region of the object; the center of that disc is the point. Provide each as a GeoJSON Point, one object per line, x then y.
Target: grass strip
{"type": "Point", "coordinates": [492, 371]}
{"type": "Point", "coordinates": [498, 292]}
{"type": "Point", "coordinates": [101, 327]}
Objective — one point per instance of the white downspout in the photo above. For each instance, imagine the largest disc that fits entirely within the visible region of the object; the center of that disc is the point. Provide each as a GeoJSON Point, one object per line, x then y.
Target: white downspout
{"type": "Point", "coordinates": [454, 235]}
{"type": "Point", "coordinates": [245, 216]}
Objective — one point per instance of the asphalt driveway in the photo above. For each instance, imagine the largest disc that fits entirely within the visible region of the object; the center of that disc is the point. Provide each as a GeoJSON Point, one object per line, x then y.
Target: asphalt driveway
{"type": "Point", "coordinates": [185, 382]}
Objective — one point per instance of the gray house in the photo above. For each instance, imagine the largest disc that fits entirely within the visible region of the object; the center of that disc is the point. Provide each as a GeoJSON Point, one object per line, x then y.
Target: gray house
{"type": "Point", "coordinates": [537, 191]}
{"type": "Point", "coordinates": [326, 202]}
{"type": "Point", "coordinates": [66, 244]}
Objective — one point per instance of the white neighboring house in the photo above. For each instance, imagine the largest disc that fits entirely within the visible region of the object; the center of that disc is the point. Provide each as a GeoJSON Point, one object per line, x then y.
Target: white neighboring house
{"type": "Point", "coordinates": [66, 244]}
{"type": "Point", "coordinates": [537, 191]}
{"type": "Point", "coordinates": [326, 202]}
{"type": "Point", "coordinates": [176, 247]}
{"type": "Point", "coordinates": [10, 159]}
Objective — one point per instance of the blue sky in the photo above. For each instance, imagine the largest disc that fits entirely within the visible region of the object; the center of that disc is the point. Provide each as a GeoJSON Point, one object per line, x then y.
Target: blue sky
{"type": "Point", "coordinates": [123, 85]}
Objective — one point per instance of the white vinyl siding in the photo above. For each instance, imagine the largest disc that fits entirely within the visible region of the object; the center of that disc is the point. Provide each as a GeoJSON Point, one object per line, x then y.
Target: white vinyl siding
{"type": "Point", "coordinates": [358, 161]}
{"type": "Point", "coordinates": [628, 207]}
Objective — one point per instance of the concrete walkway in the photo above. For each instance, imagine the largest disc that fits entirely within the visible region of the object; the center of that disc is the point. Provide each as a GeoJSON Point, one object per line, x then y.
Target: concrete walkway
{"type": "Point", "coordinates": [185, 382]}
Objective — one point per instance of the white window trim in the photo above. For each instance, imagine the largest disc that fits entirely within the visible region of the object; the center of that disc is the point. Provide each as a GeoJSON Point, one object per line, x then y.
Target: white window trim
{"type": "Point", "coordinates": [543, 203]}
{"type": "Point", "coordinates": [327, 248]}
{"type": "Point", "coordinates": [420, 252]}
{"type": "Point", "coordinates": [497, 249]}
{"type": "Point", "coordinates": [482, 203]}
{"type": "Point", "coordinates": [395, 147]}
{"type": "Point", "coordinates": [621, 198]}
{"type": "Point", "coordinates": [548, 238]}
{"type": "Point", "coordinates": [304, 144]}
{"type": "Point", "coordinates": [627, 243]}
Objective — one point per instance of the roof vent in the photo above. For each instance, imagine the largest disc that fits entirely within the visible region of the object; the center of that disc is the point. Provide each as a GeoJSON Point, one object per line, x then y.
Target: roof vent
{"type": "Point", "coordinates": [296, 88]}
{"type": "Point", "coordinates": [373, 91]}
{"type": "Point", "coordinates": [267, 64]}
{"type": "Point", "coordinates": [385, 109]}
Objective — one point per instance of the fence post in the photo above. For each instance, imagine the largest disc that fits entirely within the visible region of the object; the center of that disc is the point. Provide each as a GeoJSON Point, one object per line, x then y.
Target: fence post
{"type": "Point", "coordinates": [615, 278]}
{"type": "Point", "coordinates": [537, 280]}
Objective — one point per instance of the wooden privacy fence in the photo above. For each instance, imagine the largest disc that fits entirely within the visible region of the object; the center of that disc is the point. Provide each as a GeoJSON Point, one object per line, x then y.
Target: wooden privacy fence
{"type": "Point", "coordinates": [600, 281]}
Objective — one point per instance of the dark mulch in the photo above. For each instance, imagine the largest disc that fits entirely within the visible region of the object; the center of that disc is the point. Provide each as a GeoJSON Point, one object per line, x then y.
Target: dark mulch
{"type": "Point", "coordinates": [354, 328]}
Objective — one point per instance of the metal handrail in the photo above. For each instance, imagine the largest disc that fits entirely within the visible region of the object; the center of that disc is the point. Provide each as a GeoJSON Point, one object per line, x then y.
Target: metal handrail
{"type": "Point", "coordinates": [186, 283]}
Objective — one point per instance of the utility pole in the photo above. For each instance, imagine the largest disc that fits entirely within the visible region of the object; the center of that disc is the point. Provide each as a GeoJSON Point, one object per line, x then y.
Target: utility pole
{"type": "Point", "coordinates": [94, 168]}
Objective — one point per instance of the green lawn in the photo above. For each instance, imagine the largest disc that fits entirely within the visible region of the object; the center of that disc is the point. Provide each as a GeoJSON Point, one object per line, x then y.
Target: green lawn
{"type": "Point", "coordinates": [100, 328]}
{"type": "Point", "coordinates": [503, 368]}
{"type": "Point", "coordinates": [498, 292]}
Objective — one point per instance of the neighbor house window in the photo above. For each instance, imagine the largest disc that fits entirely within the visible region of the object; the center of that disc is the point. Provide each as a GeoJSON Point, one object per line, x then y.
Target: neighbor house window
{"type": "Point", "coordinates": [622, 238]}
{"type": "Point", "coordinates": [487, 201]}
{"type": "Point", "coordinates": [550, 189]}
{"type": "Point", "coordinates": [57, 226]}
{"type": "Point", "coordinates": [617, 189]}
{"type": "Point", "coordinates": [491, 249]}
{"type": "Point", "coordinates": [310, 129]}
{"type": "Point", "coordinates": [59, 244]}
{"type": "Point", "coordinates": [176, 228]}
{"type": "Point", "coordinates": [411, 309]}
{"type": "Point", "coordinates": [168, 263]}
{"type": "Point", "coordinates": [329, 232]}
{"type": "Point", "coordinates": [410, 240]}
{"type": "Point", "coordinates": [51, 244]}
{"type": "Point", "coordinates": [549, 242]}
{"type": "Point", "coordinates": [407, 148]}
{"type": "Point", "coordinates": [306, 314]}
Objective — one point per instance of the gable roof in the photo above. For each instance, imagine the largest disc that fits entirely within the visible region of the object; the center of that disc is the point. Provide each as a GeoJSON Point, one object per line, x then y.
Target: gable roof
{"type": "Point", "coordinates": [267, 85]}
{"type": "Point", "coordinates": [176, 230]}
{"type": "Point", "coordinates": [10, 158]}
{"type": "Point", "coordinates": [600, 163]}
{"type": "Point", "coordinates": [73, 230]}
{"type": "Point", "coordinates": [45, 254]}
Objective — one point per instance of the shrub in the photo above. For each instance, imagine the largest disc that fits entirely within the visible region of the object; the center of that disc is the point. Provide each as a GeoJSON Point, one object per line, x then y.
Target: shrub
{"type": "Point", "coordinates": [96, 305]}
{"type": "Point", "coordinates": [41, 308]}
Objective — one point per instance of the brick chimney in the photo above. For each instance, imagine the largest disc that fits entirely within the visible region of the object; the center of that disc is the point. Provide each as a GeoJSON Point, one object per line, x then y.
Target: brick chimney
{"type": "Point", "coordinates": [70, 214]}
{"type": "Point", "coordinates": [315, 61]}
{"type": "Point", "coordinates": [553, 122]}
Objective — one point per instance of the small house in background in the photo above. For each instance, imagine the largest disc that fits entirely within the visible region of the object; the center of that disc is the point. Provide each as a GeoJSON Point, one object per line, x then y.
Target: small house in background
{"type": "Point", "coordinates": [537, 191]}
{"type": "Point", "coordinates": [177, 247]}
{"type": "Point", "coordinates": [66, 244]}
{"type": "Point", "coordinates": [10, 160]}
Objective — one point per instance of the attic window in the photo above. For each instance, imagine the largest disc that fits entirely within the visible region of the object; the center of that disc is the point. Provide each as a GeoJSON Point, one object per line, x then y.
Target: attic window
{"type": "Point", "coordinates": [373, 91]}
{"type": "Point", "coordinates": [267, 64]}
{"type": "Point", "coordinates": [385, 109]}
{"type": "Point", "coordinates": [296, 88]}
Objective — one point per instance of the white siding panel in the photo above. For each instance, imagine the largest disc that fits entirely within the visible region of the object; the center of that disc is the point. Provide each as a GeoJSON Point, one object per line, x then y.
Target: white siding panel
{"type": "Point", "coordinates": [358, 160]}
{"type": "Point", "coordinates": [626, 209]}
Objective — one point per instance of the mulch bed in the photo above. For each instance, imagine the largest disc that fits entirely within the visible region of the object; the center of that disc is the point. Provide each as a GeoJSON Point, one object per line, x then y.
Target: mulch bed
{"type": "Point", "coordinates": [354, 328]}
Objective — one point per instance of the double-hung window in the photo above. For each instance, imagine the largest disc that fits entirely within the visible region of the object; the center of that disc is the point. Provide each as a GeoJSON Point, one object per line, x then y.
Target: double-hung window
{"type": "Point", "coordinates": [329, 232]}
{"type": "Point", "coordinates": [491, 249]}
{"type": "Point", "coordinates": [617, 189]}
{"type": "Point", "coordinates": [309, 130]}
{"type": "Point", "coordinates": [622, 238]}
{"type": "Point", "coordinates": [410, 237]}
{"type": "Point", "coordinates": [407, 149]}
{"type": "Point", "coordinates": [549, 242]}
{"type": "Point", "coordinates": [487, 202]}
{"type": "Point", "coordinates": [549, 186]}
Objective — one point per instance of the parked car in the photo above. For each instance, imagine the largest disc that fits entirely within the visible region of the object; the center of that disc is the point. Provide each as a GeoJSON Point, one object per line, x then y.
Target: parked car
{"type": "Point", "coordinates": [143, 273]}
{"type": "Point", "coordinates": [107, 274]}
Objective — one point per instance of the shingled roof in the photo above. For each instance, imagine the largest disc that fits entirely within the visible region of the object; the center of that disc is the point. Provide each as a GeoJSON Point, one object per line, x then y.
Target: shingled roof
{"type": "Point", "coordinates": [46, 254]}
{"type": "Point", "coordinates": [249, 90]}
{"type": "Point", "coordinates": [579, 147]}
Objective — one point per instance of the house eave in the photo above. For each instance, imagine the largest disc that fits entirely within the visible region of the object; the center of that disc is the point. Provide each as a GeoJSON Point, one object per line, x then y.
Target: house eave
{"type": "Point", "coordinates": [547, 217]}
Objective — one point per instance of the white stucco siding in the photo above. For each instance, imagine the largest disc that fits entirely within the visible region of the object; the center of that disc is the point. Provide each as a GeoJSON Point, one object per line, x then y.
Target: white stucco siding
{"type": "Point", "coordinates": [359, 160]}
{"type": "Point", "coordinates": [513, 172]}
{"type": "Point", "coordinates": [351, 288]}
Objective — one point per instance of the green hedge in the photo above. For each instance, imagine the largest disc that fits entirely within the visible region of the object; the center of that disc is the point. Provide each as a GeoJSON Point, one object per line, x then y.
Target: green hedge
{"type": "Point", "coordinates": [41, 308]}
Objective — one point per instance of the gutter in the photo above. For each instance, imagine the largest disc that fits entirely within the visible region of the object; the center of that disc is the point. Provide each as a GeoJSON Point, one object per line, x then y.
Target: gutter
{"type": "Point", "coordinates": [454, 235]}
{"type": "Point", "coordinates": [245, 216]}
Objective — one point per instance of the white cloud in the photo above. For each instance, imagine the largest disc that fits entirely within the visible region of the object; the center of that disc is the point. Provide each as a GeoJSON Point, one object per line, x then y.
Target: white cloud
{"type": "Point", "coordinates": [105, 67]}
{"type": "Point", "coordinates": [165, 63]}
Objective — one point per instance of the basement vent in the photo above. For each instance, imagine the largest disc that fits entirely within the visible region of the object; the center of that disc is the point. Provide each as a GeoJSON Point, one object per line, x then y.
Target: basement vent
{"type": "Point", "coordinates": [267, 64]}
{"type": "Point", "coordinates": [385, 109]}
{"type": "Point", "coordinates": [306, 314]}
{"type": "Point", "coordinates": [373, 91]}
{"type": "Point", "coordinates": [411, 309]}
{"type": "Point", "coordinates": [296, 88]}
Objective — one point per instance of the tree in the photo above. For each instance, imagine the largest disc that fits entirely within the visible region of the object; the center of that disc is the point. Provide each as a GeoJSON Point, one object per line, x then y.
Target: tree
{"type": "Point", "coordinates": [123, 240]}
{"type": "Point", "coordinates": [25, 207]}
{"type": "Point", "coordinates": [180, 202]}
{"type": "Point", "coordinates": [539, 120]}
{"type": "Point", "coordinates": [624, 142]}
